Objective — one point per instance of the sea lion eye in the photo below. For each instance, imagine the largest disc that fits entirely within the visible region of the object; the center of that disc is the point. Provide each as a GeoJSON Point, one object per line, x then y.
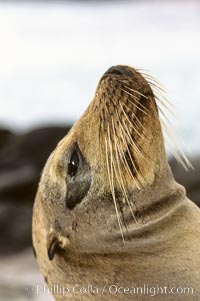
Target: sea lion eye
{"type": "Point", "coordinates": [74, 161]}
{"type": "Point", "coordinates": [79, 179]}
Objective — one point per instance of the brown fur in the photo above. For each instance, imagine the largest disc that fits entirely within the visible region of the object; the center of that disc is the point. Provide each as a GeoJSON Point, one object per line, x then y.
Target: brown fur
{"type": "Point", "coordinates": [135, 226]}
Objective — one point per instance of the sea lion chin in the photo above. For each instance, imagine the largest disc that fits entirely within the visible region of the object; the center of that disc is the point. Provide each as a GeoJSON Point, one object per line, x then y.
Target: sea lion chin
{"type": "Point", "coordinates": [107, 204]}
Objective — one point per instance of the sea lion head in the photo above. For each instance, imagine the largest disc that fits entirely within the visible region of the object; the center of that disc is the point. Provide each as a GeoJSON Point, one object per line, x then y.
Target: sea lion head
{"type": "Point", "coordinates": [95, 178]}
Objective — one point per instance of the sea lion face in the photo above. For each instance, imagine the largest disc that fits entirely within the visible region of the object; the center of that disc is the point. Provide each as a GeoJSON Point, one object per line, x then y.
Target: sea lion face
{"type": "Point", "coordinates": [89, 181]}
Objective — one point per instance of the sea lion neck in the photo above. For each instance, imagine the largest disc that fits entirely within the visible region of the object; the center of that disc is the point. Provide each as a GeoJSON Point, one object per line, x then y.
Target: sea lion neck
{"type": "Point", "coordinates": [147, 208]}
{"type": "Point", "coordinates": [157, 200]}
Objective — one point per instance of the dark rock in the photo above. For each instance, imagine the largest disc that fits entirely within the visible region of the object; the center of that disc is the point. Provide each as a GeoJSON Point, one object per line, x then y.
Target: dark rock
{"type": "Point", "coordinates": [22, 158]}
{"type": "Point", "coordinates": [15, 226]}
{"type": "Point", "coordinates": [5, 137]}
{"type": "Point", "coordinates": [189, 179]}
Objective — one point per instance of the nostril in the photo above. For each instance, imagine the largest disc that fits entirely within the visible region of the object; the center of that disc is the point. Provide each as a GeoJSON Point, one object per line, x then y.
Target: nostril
{"type": "Point", "coordinates": [120, 70]}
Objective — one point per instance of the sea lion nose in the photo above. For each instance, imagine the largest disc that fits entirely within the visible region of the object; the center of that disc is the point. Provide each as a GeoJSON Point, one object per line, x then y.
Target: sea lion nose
{"type": "Point", "coordinates": [120, 70]}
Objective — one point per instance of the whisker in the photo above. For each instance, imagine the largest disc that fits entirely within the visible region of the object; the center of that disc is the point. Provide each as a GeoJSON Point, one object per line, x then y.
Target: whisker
{"type": "Point", "coordinates": [120, 174]}
{"type": "Point", "coordinates": [164, 101]}
{"type": "Point", "coordinates": [131, 140]}
{"type": "Point", "coordinates": [136, 99]}
{"type": "Point", "coordinates": [133, 143]}
{"type": "Point", "coordinates": [131, 124]}
{"type": "Point", "coordinates": [185, 162]}
{"type": "Point", "coordinates": [111, 180]}
{"type": "Point", "coordinates": [137, 92]}
{"type": "Point", "coordinates": [134, 103]}
{"type": "Point", "coordinates": [159, 94]}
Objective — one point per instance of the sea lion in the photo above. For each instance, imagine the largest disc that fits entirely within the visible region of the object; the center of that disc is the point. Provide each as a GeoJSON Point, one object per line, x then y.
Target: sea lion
{"type": "Point", "coordinates": [109, 220]}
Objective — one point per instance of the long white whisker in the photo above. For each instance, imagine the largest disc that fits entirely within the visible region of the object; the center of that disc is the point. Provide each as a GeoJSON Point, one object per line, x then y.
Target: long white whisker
{"type": "Point", "coordinates": [112, 184]}
{"type": "Point", "coordinates": [131, 124]}
{"type": "Point", "coordinates": [145, 112]}
{"type": "Point", "coordinates": [120, 181]}
{"type": "Point", "coordinates": [137, 92]}
{"type": "Point", "coordinates": [136, 99]}
{"type": "Point", "coordinates": [172, 137]}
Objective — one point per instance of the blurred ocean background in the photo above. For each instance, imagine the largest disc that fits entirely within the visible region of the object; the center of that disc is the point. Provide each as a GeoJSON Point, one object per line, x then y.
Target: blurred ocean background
{"type": "Point", "coordinates": [52, 54]}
